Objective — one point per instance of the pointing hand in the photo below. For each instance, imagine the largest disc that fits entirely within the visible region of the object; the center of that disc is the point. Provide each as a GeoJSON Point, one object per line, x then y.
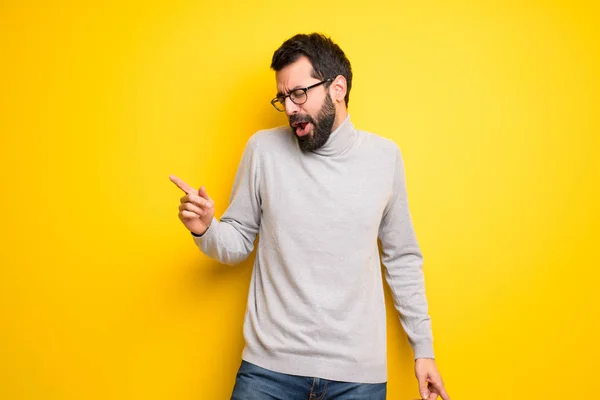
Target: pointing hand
{"type": "Point", "coordinates": [196, 210]}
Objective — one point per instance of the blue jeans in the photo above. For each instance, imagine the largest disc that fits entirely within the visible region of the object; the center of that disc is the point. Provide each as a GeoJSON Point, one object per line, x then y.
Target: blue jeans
{"type": "Point", "coordinates": [255, 383]}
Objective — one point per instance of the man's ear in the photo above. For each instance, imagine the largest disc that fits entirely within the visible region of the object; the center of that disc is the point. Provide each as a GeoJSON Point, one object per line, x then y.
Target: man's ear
{"type": "Point", "coordinates": [338, 88]}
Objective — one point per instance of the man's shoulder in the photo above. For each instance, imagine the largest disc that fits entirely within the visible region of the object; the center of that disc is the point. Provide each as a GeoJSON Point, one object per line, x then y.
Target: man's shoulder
{"type": "Point", "coordinates": [379, 143]}
{"type": "Point", "coordinates": [277, 137]}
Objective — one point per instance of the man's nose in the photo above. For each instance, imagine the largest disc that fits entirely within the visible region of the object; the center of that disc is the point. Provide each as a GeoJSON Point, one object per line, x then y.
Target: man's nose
{"type": "Point", "coordinates": [291, 107]}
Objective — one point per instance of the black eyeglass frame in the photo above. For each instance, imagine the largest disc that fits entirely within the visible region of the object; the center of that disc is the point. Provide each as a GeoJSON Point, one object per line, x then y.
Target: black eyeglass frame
{"type": "Point", "coordinates": [281, 99]}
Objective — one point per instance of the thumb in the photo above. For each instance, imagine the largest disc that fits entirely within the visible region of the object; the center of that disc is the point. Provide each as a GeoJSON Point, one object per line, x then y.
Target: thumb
{"type": "Point", "coordinates": [423, 390]}
{"type": "Point", "coordinates": [202, 193]}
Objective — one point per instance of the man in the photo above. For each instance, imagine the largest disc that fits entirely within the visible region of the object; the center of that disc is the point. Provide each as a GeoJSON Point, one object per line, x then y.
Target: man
{"type": "Point", "coordinates": [320, 195]}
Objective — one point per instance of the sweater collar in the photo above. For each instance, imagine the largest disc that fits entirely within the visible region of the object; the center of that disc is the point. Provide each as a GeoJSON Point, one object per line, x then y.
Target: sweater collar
{"type": "Point", "coordinates": [340, 140]}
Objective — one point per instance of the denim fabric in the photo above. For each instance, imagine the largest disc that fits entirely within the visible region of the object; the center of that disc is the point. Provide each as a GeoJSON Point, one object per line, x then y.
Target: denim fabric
{"type": "Point", "coordinates": [256, 383]}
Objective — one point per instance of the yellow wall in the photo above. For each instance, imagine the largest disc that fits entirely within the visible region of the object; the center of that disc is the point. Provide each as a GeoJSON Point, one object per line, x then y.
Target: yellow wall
{"type": "Point", "coordinates": [103, 294]}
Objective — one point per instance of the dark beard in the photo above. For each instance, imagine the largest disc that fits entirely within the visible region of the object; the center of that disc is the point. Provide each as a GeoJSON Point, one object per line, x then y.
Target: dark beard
{"type": "Point", "coordinates": [321, 127]}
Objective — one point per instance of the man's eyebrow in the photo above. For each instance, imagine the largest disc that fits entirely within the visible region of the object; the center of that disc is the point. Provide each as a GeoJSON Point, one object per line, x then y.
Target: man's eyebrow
{"type": "Point", "coordinates": [280, 94]}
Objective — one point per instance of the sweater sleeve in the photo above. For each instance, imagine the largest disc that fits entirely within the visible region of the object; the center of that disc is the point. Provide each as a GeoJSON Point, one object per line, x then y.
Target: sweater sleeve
{"type": "Point", "coordinates": [403, 261]}
{"type": "Point", "coordinates": [231, 239]}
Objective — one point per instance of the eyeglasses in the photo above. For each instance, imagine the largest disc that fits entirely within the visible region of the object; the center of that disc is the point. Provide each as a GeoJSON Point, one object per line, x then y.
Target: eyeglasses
{"type": "Point", "coordinates": [297, 96]}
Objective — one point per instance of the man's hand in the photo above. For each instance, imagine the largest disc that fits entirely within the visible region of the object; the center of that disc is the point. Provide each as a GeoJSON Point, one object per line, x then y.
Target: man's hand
{"type": "Point", "coordinates": [431, 384]}
{"type": "Point", "coordinates": [196, 210]}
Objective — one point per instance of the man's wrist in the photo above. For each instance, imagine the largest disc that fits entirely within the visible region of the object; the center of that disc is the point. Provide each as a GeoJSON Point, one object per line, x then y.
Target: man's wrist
{"type": "Point", "coordinates": [194, 234]}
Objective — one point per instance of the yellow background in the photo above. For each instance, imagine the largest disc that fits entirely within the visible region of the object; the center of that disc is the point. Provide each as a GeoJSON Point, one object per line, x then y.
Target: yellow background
{"type": "Point", "coordinates": [103, 294]}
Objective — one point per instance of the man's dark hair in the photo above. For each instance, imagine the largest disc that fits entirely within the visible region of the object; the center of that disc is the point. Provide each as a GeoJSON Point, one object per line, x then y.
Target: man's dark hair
{"type": "Point", "coordinates": [326, 57]}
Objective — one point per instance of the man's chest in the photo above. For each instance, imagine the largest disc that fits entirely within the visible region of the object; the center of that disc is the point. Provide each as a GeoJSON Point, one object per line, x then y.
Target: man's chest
{"type": "Point", "coordinates": [326, 196]}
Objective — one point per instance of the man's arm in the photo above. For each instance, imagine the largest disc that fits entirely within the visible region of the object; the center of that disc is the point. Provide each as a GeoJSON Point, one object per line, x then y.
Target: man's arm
{"type": "Point", "coordinates": [231, 239]}
{"type": "Point", "coordinates": [403, 262]}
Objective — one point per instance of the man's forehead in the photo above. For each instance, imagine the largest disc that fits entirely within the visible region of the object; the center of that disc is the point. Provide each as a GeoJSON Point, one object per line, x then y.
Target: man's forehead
{"type": "Point", "coordinates": [297, 74]}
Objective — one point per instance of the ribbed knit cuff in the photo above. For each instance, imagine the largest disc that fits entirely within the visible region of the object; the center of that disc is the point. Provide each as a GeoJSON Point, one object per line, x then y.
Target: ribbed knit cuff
{"type": "Point", "coordinates": [207, 232]}
{"type": "Point", "coordinates": [423, 350]}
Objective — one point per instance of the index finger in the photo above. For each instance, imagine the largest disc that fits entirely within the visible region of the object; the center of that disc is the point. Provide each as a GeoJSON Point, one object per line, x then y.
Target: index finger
{"type": "Point", "coordinates": [442, 391]}
{"type": "Point", "coordinates": [182, 185]}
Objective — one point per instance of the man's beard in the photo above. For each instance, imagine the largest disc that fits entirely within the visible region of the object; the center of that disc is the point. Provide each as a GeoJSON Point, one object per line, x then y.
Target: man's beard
{"type": "Point", "coordinates": [321, 127]}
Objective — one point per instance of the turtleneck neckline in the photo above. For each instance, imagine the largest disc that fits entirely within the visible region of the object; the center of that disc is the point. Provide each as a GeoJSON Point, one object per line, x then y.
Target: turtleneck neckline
{"type": "Point", "coordinates": [340, 139]}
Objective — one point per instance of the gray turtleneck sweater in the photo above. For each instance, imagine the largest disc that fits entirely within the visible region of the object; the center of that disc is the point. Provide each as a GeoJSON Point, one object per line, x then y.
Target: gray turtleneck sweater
{"type": "Point", "coordinates": [316, 304]}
